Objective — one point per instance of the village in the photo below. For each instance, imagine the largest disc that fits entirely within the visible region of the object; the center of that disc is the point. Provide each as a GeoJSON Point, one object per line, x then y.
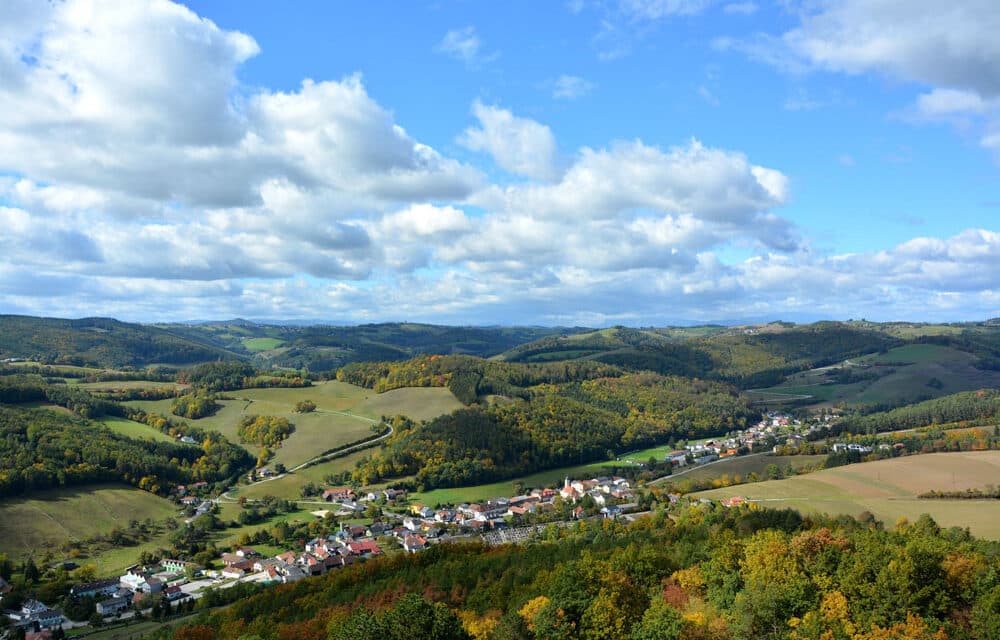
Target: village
{"type": "Point", "coordinates": [401, 527]}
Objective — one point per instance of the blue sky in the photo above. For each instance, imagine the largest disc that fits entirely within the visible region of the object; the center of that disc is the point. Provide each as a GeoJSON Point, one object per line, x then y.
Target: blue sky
{"type": "Point", "coordinates": [588, 162]}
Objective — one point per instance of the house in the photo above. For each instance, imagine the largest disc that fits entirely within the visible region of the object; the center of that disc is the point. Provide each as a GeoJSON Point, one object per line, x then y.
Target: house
{"type": "Point", "coordinates": [735, 501]}
{"type": "Point", "coordinates": [247, 552]}
{"type": "Point", "coordinates": [364, 548]}
{"type": "Point", "coordinates": [176, 566]}
{"type": "Point", "coordinates": [233, 572]}
{"type": "Point", "coordinates": [111, 606]}
{"type": "Point", "coordinates": [412, 544]}
{"type": "Point", "coordinates": [33, 612]}
{"type": "Point", "coordinates": [140, 581]}
{"type": "Point", "coordinates": [336, 495]}
{"type": "Point", "coordinates": [173, 593]}
{"type": "Point", "coordinates": [189, 500]}
{"type": "Point", "coordinates": [390, 494]}
{"type": "Point", "coordinates": [94, 589]}
{"type": "Point", "coordinates": [611, 511]}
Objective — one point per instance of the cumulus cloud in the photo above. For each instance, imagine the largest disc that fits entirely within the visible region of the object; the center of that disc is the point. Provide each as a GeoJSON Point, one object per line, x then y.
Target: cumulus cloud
{"type": "Point", "coordinates": [123, 188]}
{"type": "Point", "coordinates": [519, 145]}
{"type": "Point", "coordinates": [951, 47]}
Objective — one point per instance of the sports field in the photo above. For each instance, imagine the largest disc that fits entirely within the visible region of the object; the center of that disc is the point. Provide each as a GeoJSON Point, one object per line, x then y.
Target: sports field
{"type": "Point", "coordinates": [888, 489]}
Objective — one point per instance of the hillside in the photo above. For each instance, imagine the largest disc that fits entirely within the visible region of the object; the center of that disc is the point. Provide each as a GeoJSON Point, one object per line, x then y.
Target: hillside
{"type": "Point", "coordinates": [888, 489]}
{"type": "Point", "coordinates": [100, 342]}
{"type": "Point", "coordinates": [327, 347]}
{"type": "Point", "coordinates": [899, 376]}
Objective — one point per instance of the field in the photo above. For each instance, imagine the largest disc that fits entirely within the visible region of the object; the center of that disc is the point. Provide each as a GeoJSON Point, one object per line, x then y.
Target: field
{"type": "Point", "coordinates": [262, 344]}
{"type": "Point", "coordinates": [115, 385]}
{"type": "Point", "coordinates": [742, 466]}
{"type": "Point", "coordinates": [136, 430]}
{"type": "Point", "coordinates": [45, 521]}
{"type": "Point", "coordinates": [888, 489]}
{"type": "Point", "coordinates": [904, 375]}
{"type": "Point", "coordinates": [344, 413]}
{"type": "Point", "coordinates": [290, 486]}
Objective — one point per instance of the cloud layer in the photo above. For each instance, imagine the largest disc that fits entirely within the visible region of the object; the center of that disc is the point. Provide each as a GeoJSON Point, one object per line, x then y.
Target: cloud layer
{"type": "Point", "coordinates": [156, 186]}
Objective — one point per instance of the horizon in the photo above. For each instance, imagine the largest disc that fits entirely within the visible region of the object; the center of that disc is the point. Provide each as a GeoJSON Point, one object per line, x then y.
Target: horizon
{"type": "Point", "coordinates": [585, 163]}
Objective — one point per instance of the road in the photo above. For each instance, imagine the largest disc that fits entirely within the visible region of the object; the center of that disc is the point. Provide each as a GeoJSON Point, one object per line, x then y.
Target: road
{"type": "Point", "coordinates": [225, 497]}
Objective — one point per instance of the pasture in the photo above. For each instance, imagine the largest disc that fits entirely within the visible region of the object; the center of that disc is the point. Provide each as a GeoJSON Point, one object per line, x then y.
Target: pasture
{"type": "Point", "coordinates": [43, 522]}
{"type": "Point", "coordinates": [344, 413]}
{"type": "Point", "coordinates": [888, 489]}
{"type": "Point", "coordinates": [290, 486]}
{"type": "Point", "coordinates": [136, 430]}
{"type": "Point", "coordinates": [261, 344]}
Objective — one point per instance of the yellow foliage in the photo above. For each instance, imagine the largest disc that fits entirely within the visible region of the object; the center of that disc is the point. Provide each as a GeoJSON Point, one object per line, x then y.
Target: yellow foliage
{"type": "Point", "coordinates": [690, 580]}
{"type": "Point", "coordinates": [531, 609]}
{"type": "Point", "coordinates": [479, 627]}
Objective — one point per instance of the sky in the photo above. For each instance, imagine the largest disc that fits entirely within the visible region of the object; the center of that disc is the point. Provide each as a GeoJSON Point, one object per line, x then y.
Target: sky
{"type": "Point", "coordinates": [589, 162]}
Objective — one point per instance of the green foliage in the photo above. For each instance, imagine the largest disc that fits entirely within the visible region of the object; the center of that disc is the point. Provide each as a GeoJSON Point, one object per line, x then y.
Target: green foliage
{"type": "Point", "coordinates": [268, 431]}
{"type": "Point", "coordinates": [469, 377]}
{"type": "Point", "coordinates": [194, 405]}
{"type": "Point", "coordinates": [969, 406]}
{"type": "Point", "coordinates": [713, 573]}
{"type": "Point", "coordinates": [305, 406]}
{"type": "Point", "coordinates": [100, 342]}
{"type": "Point", "coordinates": [563, 424]}
{"type": "Point", "coordinates": [40, 449]}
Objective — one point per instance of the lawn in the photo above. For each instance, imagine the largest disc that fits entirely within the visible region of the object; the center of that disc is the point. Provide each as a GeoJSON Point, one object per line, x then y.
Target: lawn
{"type": "Point", "coordinates": [46, 520]}
{"type": "Point", "coordinates": [136, 430]}
{"type": "Point", "coordinates": [888, 489]}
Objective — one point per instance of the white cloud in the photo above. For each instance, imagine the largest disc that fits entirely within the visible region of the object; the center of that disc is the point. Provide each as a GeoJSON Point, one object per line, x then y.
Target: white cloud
{"type": "Point", "coordinates": [571, 87]}
{"type": "Point", "coordinates": [740, 8]}
{"type": "Point", "coordinates": [124, 189]}
{"type": "Point", "coordinates": [519, 145]}
{"type": "Point", "coordinates": [657, 9]}
{"type": "Point", "coordinates": [465, 45]}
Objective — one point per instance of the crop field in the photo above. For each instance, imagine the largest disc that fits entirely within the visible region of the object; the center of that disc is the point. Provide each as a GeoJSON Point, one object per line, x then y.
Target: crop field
{"type": "Point", "coordinates": [136, 430]}
{"type": "Point", "coordinates": [43, 522]}
{"type": "Point", "coordinates": [905, 374]}
{"type": "Point", "coordinates": [344, 413]}
{"type": "Point", "coordinates": [888, 489]}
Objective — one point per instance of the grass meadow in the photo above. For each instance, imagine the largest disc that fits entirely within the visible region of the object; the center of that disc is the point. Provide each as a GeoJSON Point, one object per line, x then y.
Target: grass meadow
{"type": "Point", "coordinates": [47, 519]}
{"type": "Point", "coordinates": [888, 489]}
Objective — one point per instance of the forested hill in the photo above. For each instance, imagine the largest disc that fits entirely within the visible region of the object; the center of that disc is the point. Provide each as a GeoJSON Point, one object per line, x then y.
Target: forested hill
{"type": "Point", "coordinates": [100, 342]}
{"type": "Point", "coordinates": [321, 348]}
{"type": "Point", "coordinates": [572, 422]}
{"type": "Point", "coordinates": [747, 356]}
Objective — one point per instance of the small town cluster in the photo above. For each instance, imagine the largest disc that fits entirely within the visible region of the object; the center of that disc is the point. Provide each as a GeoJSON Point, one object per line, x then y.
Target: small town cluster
{"type": "Point", "coordinates": [173, 580]}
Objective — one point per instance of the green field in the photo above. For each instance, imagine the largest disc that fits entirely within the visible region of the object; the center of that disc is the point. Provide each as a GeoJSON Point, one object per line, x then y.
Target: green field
{"type": "Point", "coordinates": [742, 466]}
{"type": "Point", "coordinates": [135, 430]}
{"type": "Point", "coordinates": [262, 344]}
{"type": "Point", "coordinates": [42, 523]}
{"type": "Point", "coordinates": [904, 374]}
{"type": "Point", "coordinates": [290, 486]}
{"type": "Point", "coordinates": [344, 413]}
{"type": "Point", "coordinates": [115, 385]}
{"type": "Point", "coordinates": [888, 489]}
